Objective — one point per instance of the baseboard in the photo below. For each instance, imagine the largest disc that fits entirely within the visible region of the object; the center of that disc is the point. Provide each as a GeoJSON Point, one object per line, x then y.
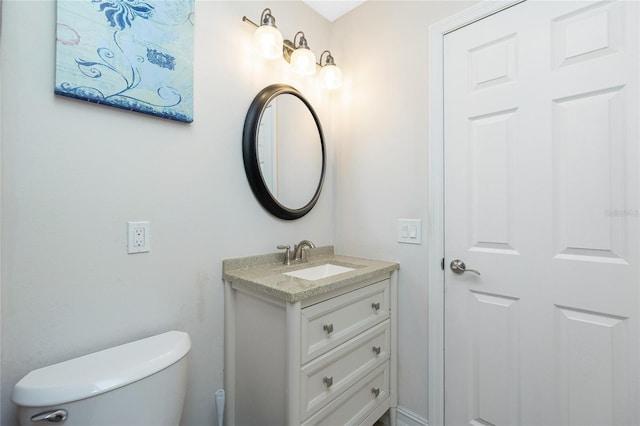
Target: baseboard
{"type": "Point", "coordinates": [409, 418]}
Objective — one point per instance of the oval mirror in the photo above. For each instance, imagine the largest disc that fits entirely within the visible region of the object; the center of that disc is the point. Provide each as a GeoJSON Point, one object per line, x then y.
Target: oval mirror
{"type": "Point", "coordinates": [283, 151]}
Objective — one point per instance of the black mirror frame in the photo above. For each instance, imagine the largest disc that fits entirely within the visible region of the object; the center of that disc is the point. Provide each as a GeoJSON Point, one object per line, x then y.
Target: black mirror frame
{"type": "Point", "coordinates": [250, 153]}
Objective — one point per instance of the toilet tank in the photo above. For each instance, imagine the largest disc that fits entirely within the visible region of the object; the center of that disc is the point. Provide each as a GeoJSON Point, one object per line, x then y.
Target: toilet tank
{"type": "Point", "coordinates": [141, 383]}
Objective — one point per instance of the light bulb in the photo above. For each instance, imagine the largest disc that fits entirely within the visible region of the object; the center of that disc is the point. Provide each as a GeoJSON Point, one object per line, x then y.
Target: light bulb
{"type": "Point", "coordinates": [303, 61]}
{"type": "Point", "coordinates": [268, 41]}
{"type": "Point", "coordinates": [331, 77]}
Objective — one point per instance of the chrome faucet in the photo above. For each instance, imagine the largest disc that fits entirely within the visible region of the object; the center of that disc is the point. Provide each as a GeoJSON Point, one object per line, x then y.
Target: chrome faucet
{"type": "Point", "coordinates": [299, 252]}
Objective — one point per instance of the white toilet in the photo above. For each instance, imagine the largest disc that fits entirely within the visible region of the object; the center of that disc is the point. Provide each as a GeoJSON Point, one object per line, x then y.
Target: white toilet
{"type": "Point", "coordinates": [142, 383]}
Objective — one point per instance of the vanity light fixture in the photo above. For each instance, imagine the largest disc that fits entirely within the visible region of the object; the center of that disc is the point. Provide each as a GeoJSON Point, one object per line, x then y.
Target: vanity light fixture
{"type": "Point", "coordinates": [270, 44]}
{"type": "Point", "coordinates": [267, 38]}
{"type": "Point", "coordinates": [330, 74]}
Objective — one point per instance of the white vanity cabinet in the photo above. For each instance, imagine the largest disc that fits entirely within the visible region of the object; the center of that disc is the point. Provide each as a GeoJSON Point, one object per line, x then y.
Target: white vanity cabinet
{"type": "Point", "coordinates": [324, 353]}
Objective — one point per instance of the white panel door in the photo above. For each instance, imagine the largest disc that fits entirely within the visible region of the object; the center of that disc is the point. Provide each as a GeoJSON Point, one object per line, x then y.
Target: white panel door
{"type": "Point", "coordinates": [541, 197]}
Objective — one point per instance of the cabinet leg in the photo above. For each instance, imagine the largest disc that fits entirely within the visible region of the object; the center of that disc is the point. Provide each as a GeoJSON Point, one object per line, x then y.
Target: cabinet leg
{"type": "Point", "coordinates": [392, 416]}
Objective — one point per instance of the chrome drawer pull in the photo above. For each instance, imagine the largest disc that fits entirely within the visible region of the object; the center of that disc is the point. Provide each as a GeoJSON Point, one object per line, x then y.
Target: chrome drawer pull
{"type": "Point", "coordinates": [376, 306]}
{"type": "Point", "coordinates": [328, 328]}
{"type": "Point", "coordinates": [328, 381]}
{"type": "Point", "coordinates": [376, 350]}
{"type": "Point", "coordinates": [375, 391]}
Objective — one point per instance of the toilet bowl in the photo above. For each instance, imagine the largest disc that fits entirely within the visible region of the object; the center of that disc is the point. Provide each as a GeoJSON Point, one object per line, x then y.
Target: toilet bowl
{"type": "Point", "coordinates": [142, 383]}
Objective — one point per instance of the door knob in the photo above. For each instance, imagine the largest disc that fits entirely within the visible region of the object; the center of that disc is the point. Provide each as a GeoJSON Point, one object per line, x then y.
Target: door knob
{"type": "Point", "coordinates": [459, 267]}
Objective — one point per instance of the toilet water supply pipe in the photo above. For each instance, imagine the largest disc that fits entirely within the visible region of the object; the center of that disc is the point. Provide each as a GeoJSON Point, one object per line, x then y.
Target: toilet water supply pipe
{"type": "Point", "coordinates": [220, 405]}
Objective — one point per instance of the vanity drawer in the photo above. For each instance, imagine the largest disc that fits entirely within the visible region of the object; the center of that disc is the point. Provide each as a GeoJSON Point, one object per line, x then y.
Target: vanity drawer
{"type": "Point", "coordinates": [328, 324]}
{"type": "Point", "coordinates": [327, 376]}
{"type": "Point", "coordinates": [357, 402]}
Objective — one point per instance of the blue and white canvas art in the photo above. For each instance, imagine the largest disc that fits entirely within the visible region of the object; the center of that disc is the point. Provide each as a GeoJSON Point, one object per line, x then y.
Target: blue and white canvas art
{"type": "Point", "coordinates": [130, 54]}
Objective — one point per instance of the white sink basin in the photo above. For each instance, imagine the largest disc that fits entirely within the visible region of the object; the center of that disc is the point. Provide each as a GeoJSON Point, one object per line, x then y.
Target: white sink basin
{"type": "Point", "coordinates": [318, 272]}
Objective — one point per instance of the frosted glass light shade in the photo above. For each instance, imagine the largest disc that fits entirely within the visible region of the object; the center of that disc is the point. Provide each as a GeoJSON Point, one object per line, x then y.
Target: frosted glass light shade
{"type": "Point", "coordinates": [303, 61]}
{"type": "Point", "coordinates": [331, 77]}
{"type": "Point", "coordinates": [268, 41]}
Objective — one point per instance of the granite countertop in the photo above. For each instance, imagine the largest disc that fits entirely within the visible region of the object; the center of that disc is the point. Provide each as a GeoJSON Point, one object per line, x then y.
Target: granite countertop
{"type": "Point", "coordinates": [265, 273]}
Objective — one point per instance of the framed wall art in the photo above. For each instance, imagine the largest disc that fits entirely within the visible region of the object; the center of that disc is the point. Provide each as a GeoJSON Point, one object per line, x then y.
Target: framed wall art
{"type": "Point", "coordinates": [130, 54]}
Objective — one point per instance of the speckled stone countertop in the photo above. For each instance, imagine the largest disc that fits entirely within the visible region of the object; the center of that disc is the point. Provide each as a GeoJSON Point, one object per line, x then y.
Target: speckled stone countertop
{"type": "Point", "coordinates": [265, 273]}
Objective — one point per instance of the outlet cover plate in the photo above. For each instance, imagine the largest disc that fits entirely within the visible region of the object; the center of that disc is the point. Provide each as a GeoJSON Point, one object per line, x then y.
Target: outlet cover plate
{"type": "Point", "coordinates": [138, 237]}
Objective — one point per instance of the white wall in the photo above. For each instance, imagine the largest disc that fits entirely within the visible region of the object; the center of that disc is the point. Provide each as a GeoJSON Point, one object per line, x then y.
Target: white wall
{"type": "Point", "coordinates": [381, 133]}
{"type": "Point", "coordinates": [74, 173]}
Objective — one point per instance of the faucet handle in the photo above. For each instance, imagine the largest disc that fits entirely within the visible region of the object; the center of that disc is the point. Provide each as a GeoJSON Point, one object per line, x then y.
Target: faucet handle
{"type": "Point", "coordinates": [287, 253]}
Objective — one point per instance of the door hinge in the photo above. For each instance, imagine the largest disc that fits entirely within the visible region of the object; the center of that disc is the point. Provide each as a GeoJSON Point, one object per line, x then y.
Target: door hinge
{"type": "Point", "coordinates": [442, 264]}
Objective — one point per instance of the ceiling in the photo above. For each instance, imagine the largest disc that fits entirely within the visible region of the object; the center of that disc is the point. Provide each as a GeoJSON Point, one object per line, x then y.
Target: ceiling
{"type": "Point", "coordinates": [333, 9]}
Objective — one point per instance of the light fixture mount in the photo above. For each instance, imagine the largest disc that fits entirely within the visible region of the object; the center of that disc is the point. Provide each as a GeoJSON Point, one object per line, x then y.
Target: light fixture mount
{"type": "Point", "coordinates": [329, 60]}
{"type": "Point", "coordinates": [287, 50]}
{"type": "Point", "coordinates": [303, 40]}
{"type": "Point", "coordinates": [267, 18]}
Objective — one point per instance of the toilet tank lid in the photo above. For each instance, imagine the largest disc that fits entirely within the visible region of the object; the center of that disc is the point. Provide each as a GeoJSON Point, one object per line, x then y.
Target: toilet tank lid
{"type": "Point", "coordinates": [100, 372]}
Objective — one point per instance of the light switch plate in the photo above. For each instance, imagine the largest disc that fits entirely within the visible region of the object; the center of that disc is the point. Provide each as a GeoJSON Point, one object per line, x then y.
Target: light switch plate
{"type": "Point", "coordinates": [410, 231]}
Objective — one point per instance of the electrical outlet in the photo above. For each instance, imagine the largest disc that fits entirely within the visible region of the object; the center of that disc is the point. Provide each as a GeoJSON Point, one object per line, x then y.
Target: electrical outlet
{"type": "Point", "coordinates": [138, 237]}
